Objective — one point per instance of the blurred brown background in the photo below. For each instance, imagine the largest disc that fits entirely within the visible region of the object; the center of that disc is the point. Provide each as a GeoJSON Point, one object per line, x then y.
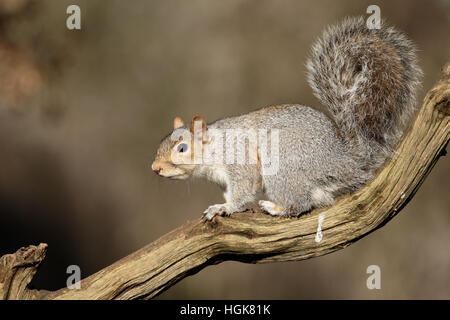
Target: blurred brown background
{"type": "Point", "coordinates": [82, 113]}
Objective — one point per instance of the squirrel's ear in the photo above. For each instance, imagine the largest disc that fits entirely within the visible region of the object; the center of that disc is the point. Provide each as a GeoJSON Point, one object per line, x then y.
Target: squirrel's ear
{"type": "Point", "coordinates": [198, 119]}
{"type": "Point", "coordinates": [177, 123]}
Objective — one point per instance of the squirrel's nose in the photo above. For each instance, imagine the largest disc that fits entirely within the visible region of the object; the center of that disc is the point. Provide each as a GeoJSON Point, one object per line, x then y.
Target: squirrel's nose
{"type": "Point", "coordinates": [156, 168]}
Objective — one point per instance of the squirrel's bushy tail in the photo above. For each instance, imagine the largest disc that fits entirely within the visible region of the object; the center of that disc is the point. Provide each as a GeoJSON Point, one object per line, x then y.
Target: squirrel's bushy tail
{"type": "Point", "coordinates": [367, 79]}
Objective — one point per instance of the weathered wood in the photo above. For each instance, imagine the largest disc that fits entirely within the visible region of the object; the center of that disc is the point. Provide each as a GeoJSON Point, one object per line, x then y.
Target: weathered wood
{"type": "Point", "coordinates": [256, 237]}
{"type": "Point", "coordinates": [17, 271]}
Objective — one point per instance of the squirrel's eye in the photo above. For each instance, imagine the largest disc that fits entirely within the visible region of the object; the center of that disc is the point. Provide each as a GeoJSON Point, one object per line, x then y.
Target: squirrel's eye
{"type": "Point", "coordinates": [182, 147]}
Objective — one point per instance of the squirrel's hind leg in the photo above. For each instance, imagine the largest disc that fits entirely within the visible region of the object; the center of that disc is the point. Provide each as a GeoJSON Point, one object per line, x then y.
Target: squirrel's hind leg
{"type": "Point", "coordinates": [279, 211]}
{"type": "Point", "coordinates": [272, 208]}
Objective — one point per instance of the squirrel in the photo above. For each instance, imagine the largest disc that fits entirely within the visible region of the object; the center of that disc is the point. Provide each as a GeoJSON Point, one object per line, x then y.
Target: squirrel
{"type": "Point", "coordinates": [366, 78]}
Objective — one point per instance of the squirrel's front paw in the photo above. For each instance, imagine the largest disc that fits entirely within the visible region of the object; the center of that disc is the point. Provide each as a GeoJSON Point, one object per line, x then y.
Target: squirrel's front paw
{"type": "Point", "coordinates": [217, 209]}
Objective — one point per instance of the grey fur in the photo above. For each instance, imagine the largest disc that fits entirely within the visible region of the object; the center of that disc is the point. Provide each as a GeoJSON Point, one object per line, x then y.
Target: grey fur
{"type": "Point", "coordinates": [367, 80]}
{"type": "Point", "coordinates": [386, 84]}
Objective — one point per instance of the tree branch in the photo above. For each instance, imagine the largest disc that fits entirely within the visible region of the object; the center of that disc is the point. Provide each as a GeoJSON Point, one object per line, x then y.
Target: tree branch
{"type": "Point", "coordinates": [255, 237]}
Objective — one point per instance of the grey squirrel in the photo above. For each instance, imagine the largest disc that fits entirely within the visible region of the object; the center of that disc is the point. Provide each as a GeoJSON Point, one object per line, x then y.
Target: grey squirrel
{"type": "Point", "coordinates": [367, 80]}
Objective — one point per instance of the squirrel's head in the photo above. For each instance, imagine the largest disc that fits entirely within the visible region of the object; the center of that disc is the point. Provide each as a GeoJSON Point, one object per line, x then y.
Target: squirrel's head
{"type": "Point", "coordinates": [179, 153]}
